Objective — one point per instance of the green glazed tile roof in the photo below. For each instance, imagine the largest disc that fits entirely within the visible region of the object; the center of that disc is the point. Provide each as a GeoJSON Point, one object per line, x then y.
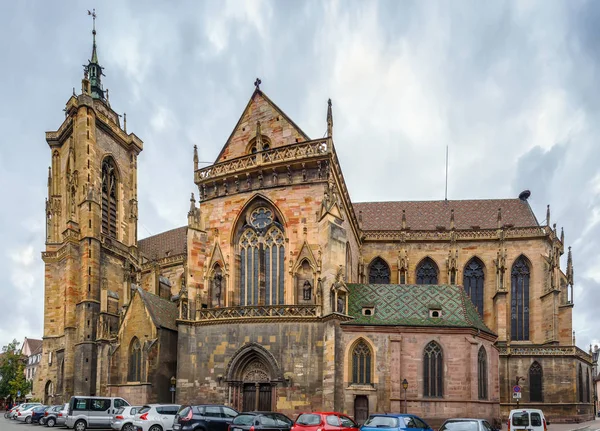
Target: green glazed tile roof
{"type": "Point", "coordinates": [408, 305]}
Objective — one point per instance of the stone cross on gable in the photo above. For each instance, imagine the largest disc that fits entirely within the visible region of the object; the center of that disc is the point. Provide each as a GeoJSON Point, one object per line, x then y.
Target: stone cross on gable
{"type": "Point", "coordinates": [257, 83]}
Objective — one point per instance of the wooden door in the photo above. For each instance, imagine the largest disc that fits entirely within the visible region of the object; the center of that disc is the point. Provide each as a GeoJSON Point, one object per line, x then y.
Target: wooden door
{"type": "Point", "coordinates": [361, 409]}
{"type": "Point", "coordinates": [264, 398]}
{"type": "Point", "coordinates": [249, 402]}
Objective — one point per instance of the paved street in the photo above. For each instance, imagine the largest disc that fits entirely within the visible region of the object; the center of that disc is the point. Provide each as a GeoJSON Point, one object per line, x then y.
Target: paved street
{"type": "Point", "coordinates": [10, 425]}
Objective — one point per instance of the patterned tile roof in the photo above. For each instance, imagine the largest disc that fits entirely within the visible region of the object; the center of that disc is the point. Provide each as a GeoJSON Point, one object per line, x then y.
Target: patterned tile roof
{"type": "Point", "coordinates": [408, 305]}
{"type": "Point", "coordinates": [163, 312]}
{"type": "Point", "coordinates": [157, 246]}
{"type": "Point", "coordinates": [429, 215]}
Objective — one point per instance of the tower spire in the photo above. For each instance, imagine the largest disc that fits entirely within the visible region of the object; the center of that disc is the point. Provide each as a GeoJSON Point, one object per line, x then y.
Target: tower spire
{"type": "Point", "coordinates": [329, 119]}
{"type": "Point", "coordinates": [195, 160]}
{"type": "Point", "coordinates": [93, 69]}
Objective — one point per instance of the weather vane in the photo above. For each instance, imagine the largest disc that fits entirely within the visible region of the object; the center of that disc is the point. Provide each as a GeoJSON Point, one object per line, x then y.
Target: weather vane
{"type": "Point", "coordinates": [93, 14]}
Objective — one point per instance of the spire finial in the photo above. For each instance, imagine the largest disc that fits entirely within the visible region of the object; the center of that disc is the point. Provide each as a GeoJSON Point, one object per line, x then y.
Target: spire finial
{"type": "Point", "coordinates": [548, 216]}
{"type": "Point", "coordinates": [329, 119]}
{"type": "Point", "coordinates": [195, 160]}
{"type": "Point", "coordinates": [499, 218]}
{"type": "Point", "coordinates": [403, 219]}
{"type": "Point", "coordinates": [94, 55]}
{"type": "Point", "coordinates": [257, 84]}
{"type": "Point", "coordinates": [562, 235]}
{"type": "Point", "coordinates": [192, 205]}
{"type": "Point", "coordinates": [125, 122]}
{"type": "Point", "coordinates": [570, 267]}
{"type": "Point", "coordinates": [452, 219]}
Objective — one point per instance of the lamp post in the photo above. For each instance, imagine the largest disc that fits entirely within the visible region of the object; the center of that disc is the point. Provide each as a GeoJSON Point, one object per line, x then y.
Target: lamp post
{"type": "Point", "coordinates": [173, 383]}
{"type": "Point", "coordinates": [519, 378]}
{"type": "Point", "coordinates": [405, 386]}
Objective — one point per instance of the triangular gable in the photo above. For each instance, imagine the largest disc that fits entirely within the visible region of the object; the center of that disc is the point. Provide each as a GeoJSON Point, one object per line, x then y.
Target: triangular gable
{"type": "Point", "coordinates": [334, 210]}
{"type": "Point", "coordinates": [305, 253]}
{"type": "Point", "coordinates": [216, 257]}
{"type": "Point", "coordinates": [275, 125]}
{"type": "Point", "coordinates": [135, 302]}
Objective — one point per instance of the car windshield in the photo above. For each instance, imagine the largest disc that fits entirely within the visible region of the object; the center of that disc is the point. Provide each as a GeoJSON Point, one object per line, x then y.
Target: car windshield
{"type": "Point", "coordinates": [520, 419]}
{"type": "Point", "coordinates": [308, 419]}
{"type": "Point", "coordinates": [460, 426]}
{"type": "Point", "coordinates": [382, 422]}
{"type": "Point", "coordinates": [144, 410]}
{"type": "Point", "coordinates": [243, 420]}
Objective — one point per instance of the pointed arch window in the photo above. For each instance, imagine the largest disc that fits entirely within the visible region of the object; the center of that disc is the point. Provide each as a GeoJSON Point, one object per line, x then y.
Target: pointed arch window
{"type": "Point", "coordinates": [580, 385]}
{"type": "Point", "coordinates": [361, 364]}
{"type": "Point", "coordinates": [109, 198]}
{"type": "Point", "coordinates": [473, 281]}
{"type": "Point", "coordinates": [535, 382]}
{"type": "Point", "coordinates": [587, 385]}
{"type": "Point", "coordinates": [519, 301]}
{"type": "Point", "coordinates": [379, 272]}
{"type": "Point", "coordinates": [135, 361]}
{"type": "Point", "coordinates": [482, 373]}
{"type": "Point", "coordinates": [262, 257]}
{"type": "Point", "coordinates": [433, 370]}
{"type": "Point", "coordinates": [427, 272]}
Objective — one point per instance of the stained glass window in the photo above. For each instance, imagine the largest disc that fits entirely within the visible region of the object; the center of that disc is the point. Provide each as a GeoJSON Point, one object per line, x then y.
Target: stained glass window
{"type": "Point", "coordinates": [535, 382]}
{"type": "Point", "coordinates": [109, 198]}
{"type": "Point", "coordinates": [135, 361]}
{"type": "Point", "coordinates": [361, 364]}
{"type": "Point", "coordinates": [473, 278]}
{"type": "Point", "coordinates": [433, 370]}
{"type": "Point", "coordinates": [482, 374]}
{"type": "Point", "coordinates": [427, 272]}
{"type": "Point", "coordinates": [261, 218]}
{"type": "Point", "coordinates": [519, 301]}
{"type": "Point", "coordinates": [379, 272]}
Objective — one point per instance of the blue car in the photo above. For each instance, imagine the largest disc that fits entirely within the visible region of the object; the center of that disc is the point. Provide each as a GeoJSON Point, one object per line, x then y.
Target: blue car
{"type": "Point", "coordinates": [395, 422]}
{"type": "Point", "coordinates": [38, 413]}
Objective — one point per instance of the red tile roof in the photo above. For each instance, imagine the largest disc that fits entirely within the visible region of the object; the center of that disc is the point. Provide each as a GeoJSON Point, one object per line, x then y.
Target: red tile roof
{"type": "Point", "coordinates": [172, 242]}
{"type": "Point", "coordinates": [429, 215]}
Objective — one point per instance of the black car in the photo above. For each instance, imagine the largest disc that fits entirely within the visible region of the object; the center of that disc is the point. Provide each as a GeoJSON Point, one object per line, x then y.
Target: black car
{"type": "Point", "coordinates": [205, 417]}
{"type": "Point", "coordinates": [263, 421]}
{"type": "Point", "coordinates": [38, 413]}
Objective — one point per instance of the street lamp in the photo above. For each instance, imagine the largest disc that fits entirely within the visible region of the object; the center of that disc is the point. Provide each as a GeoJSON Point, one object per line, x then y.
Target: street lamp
{"type": "Point", "coordinates": [405, 386]}
{"type": "Point", "coordinates": [173, 383]}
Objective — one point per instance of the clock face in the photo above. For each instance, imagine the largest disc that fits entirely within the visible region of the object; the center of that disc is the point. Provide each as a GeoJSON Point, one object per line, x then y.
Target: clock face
{"type": "Point", "coordinates": [261, 218]}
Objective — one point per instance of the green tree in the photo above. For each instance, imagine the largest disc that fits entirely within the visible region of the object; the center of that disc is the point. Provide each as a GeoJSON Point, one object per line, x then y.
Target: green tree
{"type": "Point", "coordinates": [18, 382]}
{"type": "Point", "coordinates": [10, 359]}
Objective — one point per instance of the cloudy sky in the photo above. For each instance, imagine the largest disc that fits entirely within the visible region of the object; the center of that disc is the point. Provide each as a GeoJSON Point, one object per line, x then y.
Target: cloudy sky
{"type": "Point", "coordinates": [511, 87]}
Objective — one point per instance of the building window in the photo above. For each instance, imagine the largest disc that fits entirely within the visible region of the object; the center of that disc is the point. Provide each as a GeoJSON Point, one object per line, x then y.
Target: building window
{"type": "Point", "coordinates": [587, 385]}
{"type": "Point", "coordinates": [135, 361]}
{"type": "Point", "coordinates": [379, 272]}
{"type": "Point", "coordinates": [580, 385]}
{"type": "Point", "coordinates": [262, 255]}
{"type": "Point", "coordinates": [473, 279]}
{"type": "Point", "coordinates": [519, 301]}
{"type": "Point", "coordinates": [361, 364]}
{"type": "Point", "coordinates": [482, 374]}
{"type": "Point", "coordinates": [433, 370]}
{"type": "Point", "coordinates": [427, 272]}
{"type": "Point", "coordinates": [109, 198]}
{"type": "Point", "coordinates": [535, 382]}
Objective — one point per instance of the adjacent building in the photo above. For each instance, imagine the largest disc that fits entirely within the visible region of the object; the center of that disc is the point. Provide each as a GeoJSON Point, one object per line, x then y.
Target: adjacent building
{"type": "Point", "coordinates": [281, 293]}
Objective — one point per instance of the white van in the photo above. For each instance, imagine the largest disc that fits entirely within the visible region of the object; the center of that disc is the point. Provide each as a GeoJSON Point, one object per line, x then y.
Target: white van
{"type": "Point", "coordinates": [527, 420]}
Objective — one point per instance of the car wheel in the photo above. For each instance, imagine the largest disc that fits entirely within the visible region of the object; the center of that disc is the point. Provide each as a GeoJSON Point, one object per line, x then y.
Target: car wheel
{"type": "Point", "coordinates": [28, 420]}
{"type": "Point", "coordinates": [51, 422]}
{"type": "Point", "coordinates": [127, 427]}
{"type": "Point", "coordinates": [155, 428]}
{"type": "Point", "coordinates": [42, 421]}
{"type": "Point", "coordinates": [80, 426]}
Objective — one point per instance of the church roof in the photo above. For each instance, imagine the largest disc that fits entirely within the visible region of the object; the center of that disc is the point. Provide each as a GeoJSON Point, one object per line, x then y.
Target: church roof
{"type": "Point", "coordinates": [157, 246]}
{"type": "Point", "coordinates": [430, 215]}
{"type": "Point", "coordinates": [409, 305]}
{"type": "Point", "coordinates": [163, 312]}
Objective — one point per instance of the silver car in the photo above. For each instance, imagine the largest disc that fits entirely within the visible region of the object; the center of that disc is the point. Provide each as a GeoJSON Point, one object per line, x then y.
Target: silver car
{"type": "Point", "coordinates": [123, 419]}
{"type": "Point", "coordinates": [466, 424]}
{"type": "Point", "coordinates": [92, 412]}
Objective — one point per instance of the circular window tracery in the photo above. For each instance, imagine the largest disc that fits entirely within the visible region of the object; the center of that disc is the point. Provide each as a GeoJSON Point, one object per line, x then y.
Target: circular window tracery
{"type": "Point", "coordinates": [261, 217]}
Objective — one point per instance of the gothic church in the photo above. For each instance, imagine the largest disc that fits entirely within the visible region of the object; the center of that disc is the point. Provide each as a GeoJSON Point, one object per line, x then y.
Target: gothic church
{"type": "Point", "coordinates": [282, 294]}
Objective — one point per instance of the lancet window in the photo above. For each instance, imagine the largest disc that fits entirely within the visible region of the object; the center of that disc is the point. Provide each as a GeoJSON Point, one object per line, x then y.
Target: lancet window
{"type": "Point", "coordinates": [262, 253]}
{"type": "Point", "coordinates": [427, 272]}
{"type": "Point", "coordinates": [379, 272]}
{"type": "Point", "coordinates": [109, 198]}
{"type": "Point", "coordinates": [535, 382]}
{"type": "Point", "coordinates": [135, 361]}
{"type": "Point", "coordinates": [519, 302]}
{"type": "Point", "coordinates": [361, 364]}
{"type": "Point", "coordinates": [433, 370]}
{"type": "Point", "coordinates": [473, 281]}
{"type": "Point", "coordinates": [482, 373]}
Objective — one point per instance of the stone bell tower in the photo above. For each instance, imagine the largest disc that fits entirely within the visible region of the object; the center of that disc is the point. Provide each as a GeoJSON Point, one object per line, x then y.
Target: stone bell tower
{"type": "Point", "coordinates": [91, 239]}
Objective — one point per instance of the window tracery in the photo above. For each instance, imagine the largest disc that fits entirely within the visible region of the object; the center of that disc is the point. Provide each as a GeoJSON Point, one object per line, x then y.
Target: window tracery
{"type": "Point", "coordinates": [427, 272]}
{"type": "Point", "coordinates": [361, 364]}
{"type": "Point", "coordinates": [473, 282]}
{"type": "Point", "coordinates": [135, 361]}
{"type": "Point", "coordinates": [519, 308]}
{"type": "Point", "coordinates": [109, 198]}
{"type": "Point", "coordinates": [379, 272]}
{"type": "Point", "coordinates": [433, 370]}
{"type": "Point", "coordinates": [535, 382]}
{"type": "Point", "coordinates": [482, 374]}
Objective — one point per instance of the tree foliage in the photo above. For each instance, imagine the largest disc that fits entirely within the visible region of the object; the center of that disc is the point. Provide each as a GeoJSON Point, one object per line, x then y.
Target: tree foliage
{"type": "Point", "coordinates": [12, 375]}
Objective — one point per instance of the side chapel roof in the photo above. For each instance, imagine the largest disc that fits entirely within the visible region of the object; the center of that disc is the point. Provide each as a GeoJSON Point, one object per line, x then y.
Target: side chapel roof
{"type": "Point", "coordinates": [163, 313]}
{"type": "Point", "coordinates": [409, 305]}
{"type": "Point", "coordinates": [430, 215]}
{"type": "Point", "coordinates": [157, 246]}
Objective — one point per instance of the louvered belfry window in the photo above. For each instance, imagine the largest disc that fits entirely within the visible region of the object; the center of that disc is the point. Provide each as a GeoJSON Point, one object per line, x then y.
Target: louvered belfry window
{"type": "Point", "coordinates": [379, 272]}
{"type": "Point", "coordinates": [361, 364]}
{"type": "Point", "coordinates": [535, 382]}
{"type": "Point", "coordinates": [519, 301]}
{"type": "Point", "coordinates": [109, 198]}
{"type": "Point", "coordinates": [473, 278]}
{"type": "Point", "coordinates": [262, 255]}
{"type": "Point", "coordinates": [433, 370]}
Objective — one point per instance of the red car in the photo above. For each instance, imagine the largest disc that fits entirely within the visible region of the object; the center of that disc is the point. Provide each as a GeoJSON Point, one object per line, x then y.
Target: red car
{"type": "Point", "coordinates": [324, 421]}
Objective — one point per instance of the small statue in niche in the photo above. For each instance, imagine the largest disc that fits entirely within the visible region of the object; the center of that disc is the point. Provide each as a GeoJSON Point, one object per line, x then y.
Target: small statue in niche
{"type": "Point", "coordinates": [184, 310]}
{"type": "Point", "coordinates": [307, 291]}
{"type": "Point", "coordinates": [340, 304]}
{"type": "Point", "coordinates": [275, 177]}
{"type": "Point", "coordinates": [248, 183]}
{"type": "Point", "coordinates": [319, 173]}
{"type": "Point", "coordinates": [260, 179]}
{"type": "Point", "coordinates": [237, 184]}
{"type": "Point", "coordinates": [217, 288]}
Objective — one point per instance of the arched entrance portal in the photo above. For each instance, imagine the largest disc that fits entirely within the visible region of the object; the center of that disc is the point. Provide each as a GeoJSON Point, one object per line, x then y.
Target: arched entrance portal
{"type": "Point", "coordinates": [253, 375]}
{"type": "Point", "coordinates": [48, 392]}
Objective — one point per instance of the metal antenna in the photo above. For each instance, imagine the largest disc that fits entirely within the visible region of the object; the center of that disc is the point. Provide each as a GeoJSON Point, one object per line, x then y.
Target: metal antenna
{"type": "Point", "coordinates": [446, 193]}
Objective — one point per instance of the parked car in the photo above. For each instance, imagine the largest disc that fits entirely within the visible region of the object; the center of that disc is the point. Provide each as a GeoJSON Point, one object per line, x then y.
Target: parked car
{"type": "Point", "coordinates": [22, 407]}
{"type": "Point", "coordinates": [324, 421]}
{"type": "Point", "coordinates": [11, 412]}
{"type": "Point", "coordinates": [467, 424]}
{"type": "Point", "coordinates": [208, 417]}
{"type": "Point", "coordinates": [92, 412]}
{"type": "Point", "coordinates": [156, 417]}
{"type": "Point", "coordinates": [24, 414]}
{"type": "Point", "coordinates": [394, 421]}
{"type": "Point", "coordinates": [47, 412]}
{"type": "Point", "coordinates": [123, 419]}
{"type": "Point", "coordinates": [261, 421]}
{"type": "Point", "coordinates": [57, 416]}
{"type": "Point", "coordinates": [38, 413]}
{"type": "Point", "coordinates": [527, 419]}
